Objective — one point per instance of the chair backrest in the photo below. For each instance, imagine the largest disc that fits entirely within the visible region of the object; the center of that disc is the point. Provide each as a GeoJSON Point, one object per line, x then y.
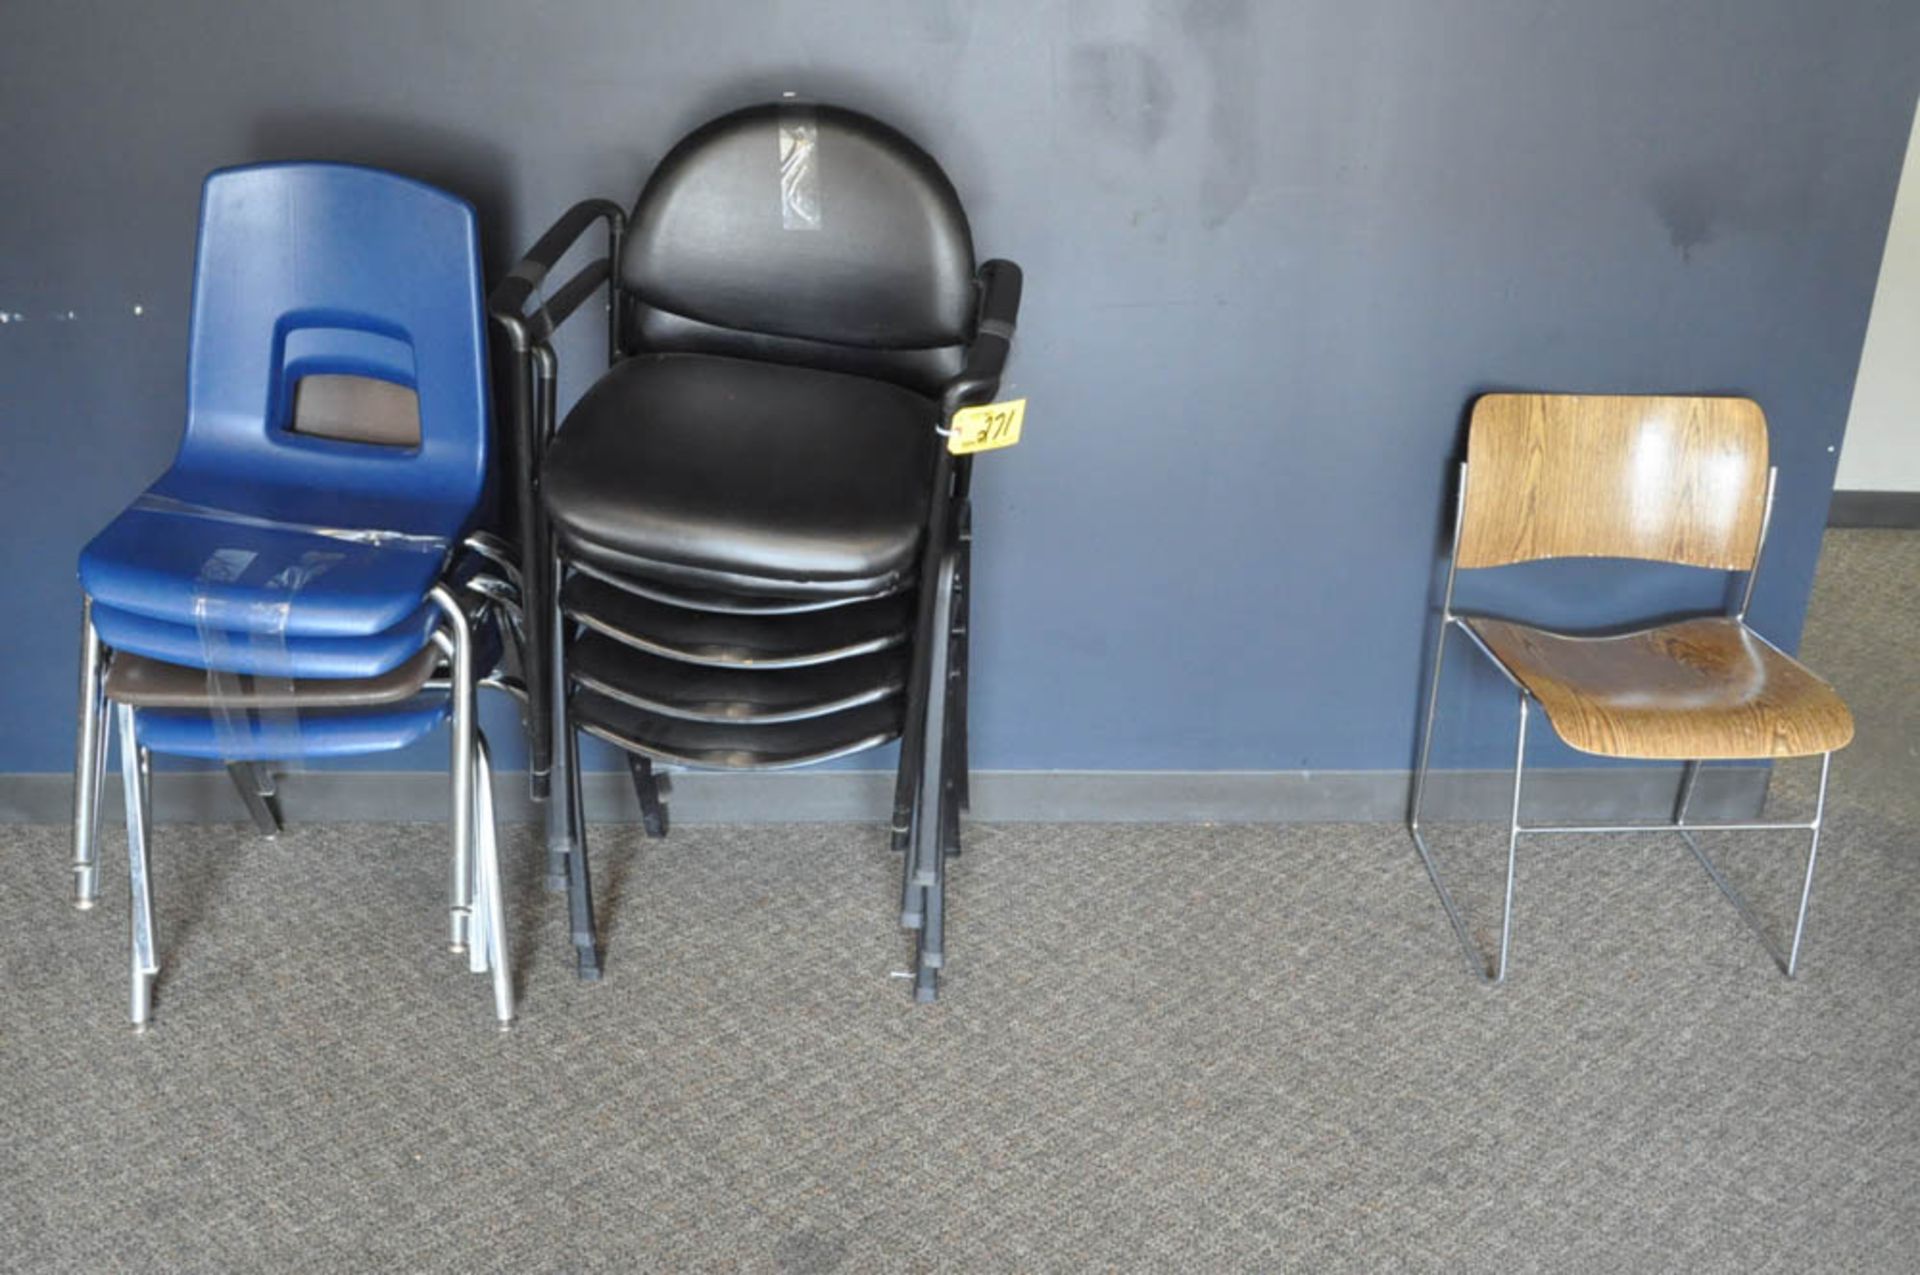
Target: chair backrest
{"type": "Point", "coordinates": [803, 234]}
{"type": "Point", "coordinates": [1668, 479]}
{"type": "Point", "coordinates": [366, 287]}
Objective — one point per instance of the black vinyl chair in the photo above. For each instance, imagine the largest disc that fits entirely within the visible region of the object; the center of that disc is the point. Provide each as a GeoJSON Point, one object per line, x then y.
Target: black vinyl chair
{"type": "Point", "coordinates": [748, 539]}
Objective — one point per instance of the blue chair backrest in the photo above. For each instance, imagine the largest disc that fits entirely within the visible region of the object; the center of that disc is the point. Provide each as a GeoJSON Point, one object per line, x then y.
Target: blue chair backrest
{"type": "Point", "coordinates": [311, 268]}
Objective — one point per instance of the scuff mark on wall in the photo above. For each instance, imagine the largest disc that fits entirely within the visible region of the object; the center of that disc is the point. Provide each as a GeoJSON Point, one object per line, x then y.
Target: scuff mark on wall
{"type": "Point", "coordinates": [1221, 30]}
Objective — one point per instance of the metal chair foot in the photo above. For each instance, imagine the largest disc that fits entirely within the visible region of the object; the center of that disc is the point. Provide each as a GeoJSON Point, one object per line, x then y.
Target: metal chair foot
{"type": "Point", "coordinates": [651, 790]}
{"type": "Point", "coordinates": [142, 1008]}
{"type": "Point", "coordinates": [257, 792]}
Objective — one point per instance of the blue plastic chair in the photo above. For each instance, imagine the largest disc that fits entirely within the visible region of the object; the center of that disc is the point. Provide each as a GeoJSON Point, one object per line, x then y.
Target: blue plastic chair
{"type": "Point", "coordinates": [308, 269]}
{"type": "Point", "coordinates": [274, 550]}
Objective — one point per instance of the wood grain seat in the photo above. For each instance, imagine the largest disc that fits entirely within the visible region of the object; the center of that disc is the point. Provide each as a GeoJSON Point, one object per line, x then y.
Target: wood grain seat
{"type": "Point", "coordinates": [1705, 688]}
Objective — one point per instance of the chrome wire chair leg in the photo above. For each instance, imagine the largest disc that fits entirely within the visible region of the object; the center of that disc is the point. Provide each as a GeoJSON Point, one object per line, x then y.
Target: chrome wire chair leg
{"type": "Point", "coordinates": [1476, 963]}
{"type": "Point", "coordinates": [647, 787]}
{"type": "Point", "coordinates": [490, 903]}
{"type": "Point", "coordinates": [478, 939]}
{"type": "Point", "coordinates": [89, 762]}
{"type": "Point", "coordinates": [136, 773]}
{"type": "Point", "coordinates": [1788, 961]}
{"type": "Point", "coordinates": [1813, 854]}
{"type": "Point", "coordinates": [1513, 845]}
{"type": "Point", "coordinates": [1689, 779]}
{"type": "Point", "coordinates": [461, 768]}
{"type": "Point", "coordinates": [1476, 960]}
{"type": "Point", "coordinates": [586, 936]}
{"type": "Point", "coordinates": [255, 786]}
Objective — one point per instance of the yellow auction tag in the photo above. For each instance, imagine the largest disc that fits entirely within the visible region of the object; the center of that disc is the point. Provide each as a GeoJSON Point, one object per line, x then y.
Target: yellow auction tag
{"type": "Point", "coordinates": [981, 429]}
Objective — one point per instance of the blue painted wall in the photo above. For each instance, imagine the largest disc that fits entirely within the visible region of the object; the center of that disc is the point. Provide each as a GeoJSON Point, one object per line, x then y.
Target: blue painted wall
{"type": "Point", "coordinates": [1273, 250]}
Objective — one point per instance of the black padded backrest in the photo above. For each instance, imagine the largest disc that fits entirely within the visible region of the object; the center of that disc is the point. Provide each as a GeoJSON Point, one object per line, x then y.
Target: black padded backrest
{"type": "Point", "coordinates": [805, 222]}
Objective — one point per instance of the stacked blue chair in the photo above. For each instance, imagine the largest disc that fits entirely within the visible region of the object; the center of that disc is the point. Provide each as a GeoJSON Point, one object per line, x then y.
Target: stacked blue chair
{"type": "Point", "coordinates": [309, 578]}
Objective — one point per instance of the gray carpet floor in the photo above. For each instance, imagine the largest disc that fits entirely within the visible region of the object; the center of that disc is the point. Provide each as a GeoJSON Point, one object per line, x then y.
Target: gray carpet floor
{"type": "Point", "coordinates": [1203, 1048]}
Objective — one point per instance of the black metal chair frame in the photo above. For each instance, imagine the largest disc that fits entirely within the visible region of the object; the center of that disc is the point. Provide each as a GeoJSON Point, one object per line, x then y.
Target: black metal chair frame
{"type": "Point", "coordinates": [931, 788]}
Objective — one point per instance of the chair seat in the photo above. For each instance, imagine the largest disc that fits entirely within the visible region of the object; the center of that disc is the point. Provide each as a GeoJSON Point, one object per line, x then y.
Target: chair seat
{"type": "Point", "coordinates": [738, 745]}
{"type": "Point", "coordinates": [1703, 689]}
{"type": "Point", "coordinates": [732, 639]}
{"type": "Point", "coordinates": [291, 572]}
{"type": "Point", "coordinates": [267, 655]}
{"type": "Point", "coordinates": [326, 732]}
{"type": "Point", "coordinates": [146, 683]}
{"type": "Point", "coordinates": [701, 693]}
{"type": "Point", "coordinates": [739, 476]}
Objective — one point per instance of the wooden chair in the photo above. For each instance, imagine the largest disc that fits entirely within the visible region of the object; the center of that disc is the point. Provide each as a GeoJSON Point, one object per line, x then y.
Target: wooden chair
{"type": "Point", "coordinates": [1680, 480]}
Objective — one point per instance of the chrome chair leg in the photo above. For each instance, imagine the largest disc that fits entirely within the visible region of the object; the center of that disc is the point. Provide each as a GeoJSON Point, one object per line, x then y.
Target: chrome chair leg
{"type": "Point", "coordinates": [89, 762]}
{"type": "Point", "coordinates": [136, 776]}
{"type": "Point", "coordinates": [1476, 960]}
{"type": "Point", "coordinates": [1476, 963]}
{"type": "Point", "coordinates": [255, 786]}
{"type": "Point", "coordinates": [1813, 855]}
{"type": "Point", "coordinates": [462, 691]}
{"type": "Point", "coordinates": [1689, 778]}
{"type": "Point", "coordinates": [1513, 844]}
{"type": "Point", "coordinates": [480, 936]}
{"type": "Point", "coordinates": [490, 904]}
{"type": "Point", "coordinates": [1788, 961]}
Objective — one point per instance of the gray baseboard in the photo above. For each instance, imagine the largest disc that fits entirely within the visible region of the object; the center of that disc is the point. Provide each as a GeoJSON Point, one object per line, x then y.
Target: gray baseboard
{"type": "Point", "coordinates": [1890, 509]}
{"type": "Point", "coordinates": [851, 796]}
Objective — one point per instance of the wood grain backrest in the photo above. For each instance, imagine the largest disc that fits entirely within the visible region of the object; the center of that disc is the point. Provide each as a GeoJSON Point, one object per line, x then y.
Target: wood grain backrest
{"type": "Point", "coordinates": [1614, 476]}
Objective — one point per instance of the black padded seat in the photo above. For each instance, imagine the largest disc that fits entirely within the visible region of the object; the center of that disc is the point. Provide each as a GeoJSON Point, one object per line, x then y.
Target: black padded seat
{"type": "Point", "coordinates": [146, 683]}
{"type": "Point", "coordinates": [737, 745]}
{"type": "Point", "coordinates": [705, 693]}
{"type": "Point", "coordinates": [728, 474]}
{"type": "Point", "coordinates": [729, 638]}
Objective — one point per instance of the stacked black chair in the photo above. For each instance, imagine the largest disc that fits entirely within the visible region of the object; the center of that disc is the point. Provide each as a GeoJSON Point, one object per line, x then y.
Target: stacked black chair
{"type": "Point", "coordinates": [749, 536]}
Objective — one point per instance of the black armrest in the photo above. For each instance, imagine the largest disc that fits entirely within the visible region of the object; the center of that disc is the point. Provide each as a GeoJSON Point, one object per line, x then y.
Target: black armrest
{"type": "Point", "coordinates": [508, 302]}
{"type": "Point", "coordinates": [531, 405]}
{"type": "Point", "coordinates": [979, 380]}
{"type": "Point", "coordinates": [556, 309]}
